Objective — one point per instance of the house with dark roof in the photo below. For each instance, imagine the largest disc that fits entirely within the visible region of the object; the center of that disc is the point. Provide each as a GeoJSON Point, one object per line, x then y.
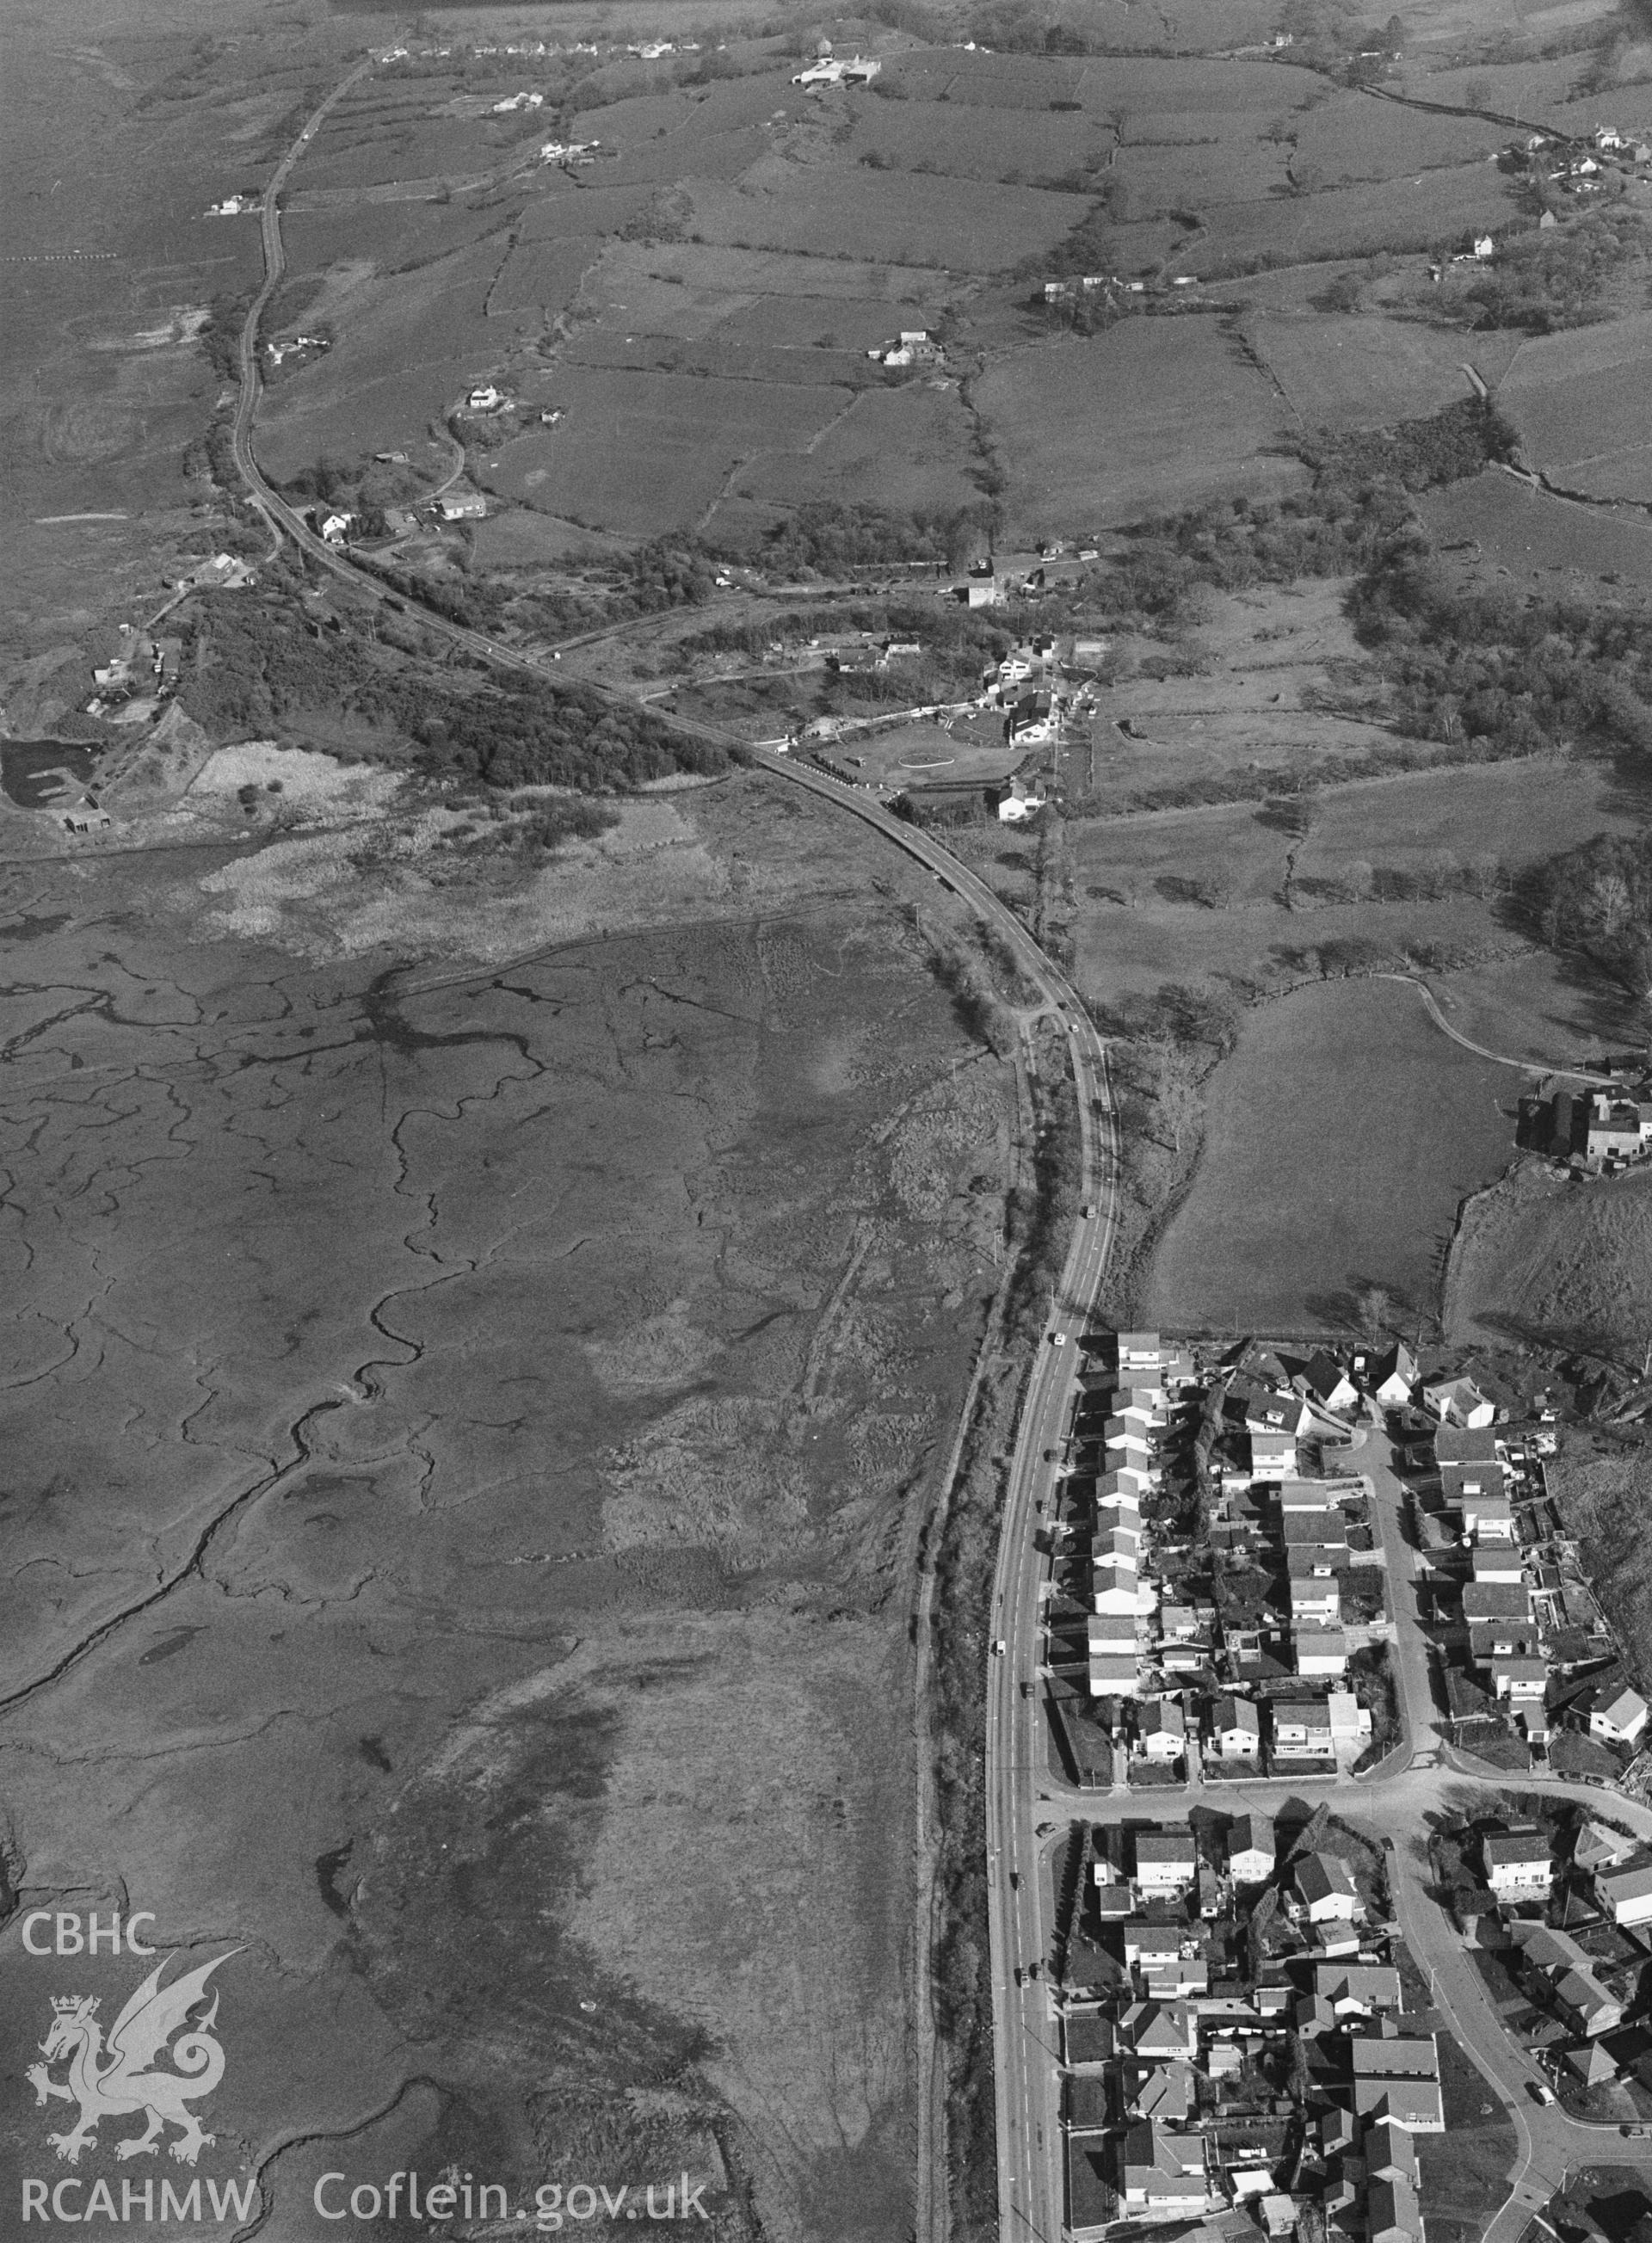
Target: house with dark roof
{"type": "Point", "coordinates": [1161, 2170]}
{"type": "Point", "coordinates": [1393, 2212]}
{"type": "Point", "coordinates": [1325, 1886]}
{"type": "Point", "coordinates": [1394, 1376]}
{"type": "Point", "coordinates": [1390, 2153]}
{"type": "Point", "coordinates": [1357, 1989]}
{"type": "Point", "coordinates": [1252, 1849]}
{"type": "Point", "coordinates": [1519, 1864]}
{"type": "Point", "coordinates": [1322, 1379]}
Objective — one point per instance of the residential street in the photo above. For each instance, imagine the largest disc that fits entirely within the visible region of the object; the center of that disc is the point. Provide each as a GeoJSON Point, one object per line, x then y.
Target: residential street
{"type": "Point", "coordinates": [1424, 1773]}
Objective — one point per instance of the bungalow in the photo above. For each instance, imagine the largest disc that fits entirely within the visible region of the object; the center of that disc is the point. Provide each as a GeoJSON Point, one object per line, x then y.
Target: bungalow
{"type": "Point", "coordinates": [1236, 1729]}
{"type": "Point", "coordinates": [1392, 2213]}
{"type": "Point", "coordinates": [1518, 1865]}
{"type": "Point", "coordinates": [1302, 1729]}
{"type": "Point", "coordinates": [1625, 1896]}
{"type": "Point", "coordinates": [486, 399]}
{"type": "Point", "coordinates": [1390, 2153]}
{"type": "Point", "coordinates": [1600, 1849]}
{"type": "Point", "coordinates": [1326, 1888]}
{"type": "Point", "coordinates": [1357, 1989]}
{"type": "Point", "coordinates": [1306, 1497]}
{"type": "Point", "coordinates": [1163, 2093]}
{"type": "Point", "coordinates": [1462, 1444]}
{"type": "Point", "coordinates": [1161, 1729]}
{"type": "Point", "coordinates": [1394, 1376]}
{"type": "Point", "coordinates": [1160, 2171]}
{"type": "Point", "coordinates": [1505, 1600]}
{"type": "Point", "coordinates": [1490, 1561]}
{"type": "Point", "coordinates": [1166, 1863]}
{"type": "Point", "coordinates": [335, 527]}
{"type": "Point", "coordinates": [1413, 2104]}
{"type": "Point", "coordinates": [1621, 1718]}
{"type": "Point", "coordinates": [1394, 2056]}
{"type": "Point", "coordinates": [1458, 1402]}
{"type": "Point", "coordinates": [1251, 1849]}
{"type": "Point", "coordinates": [462, 506]}
{"type": "Point", "coordinates": [1159, 2029]}
{"type": "Point", "coordinates": [1315, 1530]}
{"type": "Point", "coordinates": [1114, 1674]}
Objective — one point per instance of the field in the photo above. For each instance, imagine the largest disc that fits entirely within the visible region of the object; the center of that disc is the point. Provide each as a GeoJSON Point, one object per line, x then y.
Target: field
{"type": "Point", "coordinates": [1020, 146]}
{"type": "Point", "coordinates": [1414, 213]}
{"type": "Point", "coordinates": [545, 1656]}
{"type": "Point", "coordinates": [637, 452]}
{"type": "Point", "coordinates": [1545, 1262]}
{"type": "Point", "coordinates": [1578, 402]}
{"type": "Point", "coordinates": [1342, 1102]}
{"type": "Point", "coordinates": [961, 226]}
{"type": "Point", "coordinates": [1153, 415]}
{"type": "Point", "coordinates": [902, 447]}
{"type": "Point", "coordinates": [1342, 372]}
{"type": "Point", "coordinates": [1530, 532]}
{"type": "Point", "coordinates": [1350, 137]}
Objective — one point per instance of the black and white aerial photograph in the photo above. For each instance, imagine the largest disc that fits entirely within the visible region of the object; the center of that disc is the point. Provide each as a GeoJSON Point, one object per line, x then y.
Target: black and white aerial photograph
{"type": "Point", "coordinates": [826, 1121]}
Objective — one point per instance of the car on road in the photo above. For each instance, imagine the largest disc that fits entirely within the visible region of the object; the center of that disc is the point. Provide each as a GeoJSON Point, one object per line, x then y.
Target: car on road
{"type": "Point", "coordinates": [1058, 1339]}
{"type": "Point", "coordinates": [1086, 1211]}
{"type": "Point", "coordinates": [1052, 1456]}
{"type": "Point", "coordinates": [1014, 1885]}
{"type": "Point", "coordinates": [999, 1646]}
{"type": "Point", "coordinates": [1634, 2133]}
{"type": "Point", "coordinates": [1026, 1690]}
{"type": "Point", "coordinates": [1540, 2091]}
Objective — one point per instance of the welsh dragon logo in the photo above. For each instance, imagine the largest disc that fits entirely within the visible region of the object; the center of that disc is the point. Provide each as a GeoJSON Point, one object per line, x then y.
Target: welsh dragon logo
{"type": "Point", "coordinates": [114, 2081]}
